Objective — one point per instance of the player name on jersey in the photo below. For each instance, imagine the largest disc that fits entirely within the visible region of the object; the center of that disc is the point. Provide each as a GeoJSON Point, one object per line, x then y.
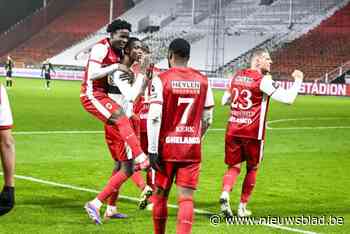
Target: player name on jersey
{"type": "Point", "coordinates": [185, 129]}
{"type": "Point", "coordinates": [234, 119]}
{"type": "Point", "coordinates": [182, 140]}
{"type": "Point", "coordinates": [185, 87]}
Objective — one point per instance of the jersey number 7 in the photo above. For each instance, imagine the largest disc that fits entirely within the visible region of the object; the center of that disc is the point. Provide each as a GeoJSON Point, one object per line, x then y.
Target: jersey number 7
{"type": "Point", "coordinates": [189, 103]}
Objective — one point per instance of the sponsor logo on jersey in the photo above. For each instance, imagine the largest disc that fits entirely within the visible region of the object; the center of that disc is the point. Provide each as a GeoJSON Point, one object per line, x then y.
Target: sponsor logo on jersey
{"type": "Point", "coordinates": [243, 79]}
{"type": "Point", "coordinates": [240, 113]}
{"type": "Point", "coordinates": [185, 87]}
{"type": "Point", "coordinates": [182, 140]}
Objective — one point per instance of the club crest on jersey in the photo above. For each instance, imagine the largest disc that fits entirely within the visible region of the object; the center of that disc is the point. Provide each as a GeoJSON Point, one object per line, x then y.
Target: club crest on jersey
{"type": "Point", "coordinates": [109, 106]}
{"type": "Point", "coordinates": [185, 87]}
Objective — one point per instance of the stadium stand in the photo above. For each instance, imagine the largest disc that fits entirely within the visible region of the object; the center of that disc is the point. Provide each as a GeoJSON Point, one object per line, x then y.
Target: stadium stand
{"type": "Point", "coordinates": [279, 25]}
{"type": "Point", "coordinates": [248, 25]}
{"type": "Point", "coordinates": [319, 51]}
{"type": "Point", "coordinates": [77, 54]}
{"type": "Point", "coordinates": [76, 23]}
{"type": "Point", "coordinates": [23, 9]}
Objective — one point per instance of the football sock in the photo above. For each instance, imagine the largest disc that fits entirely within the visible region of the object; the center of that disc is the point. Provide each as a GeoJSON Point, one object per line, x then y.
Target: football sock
{"type": "Point", "coordinates": [160, 214]}
{"type": "Point", "coordinates": [248, 185]}
{"type": "Point", "coordinates": [138, 180]}
{"type": "Point", "coordinates": [128, 135]}
{"type": "Point", "coordinates": [230, 178]}
{"type": "Point", "coordinates": [114, 184]}
{"type": "Point", "coordinates": [114, 196]}
{"type": "Point", "coordinates": [97, 203]}
{"type": "Point", "coordinates": [185, 215]}
{"type": "Point", "coordinates": [111, 209]}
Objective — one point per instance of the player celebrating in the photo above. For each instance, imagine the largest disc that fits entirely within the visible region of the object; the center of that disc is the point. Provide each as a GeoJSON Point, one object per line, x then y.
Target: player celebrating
{"type": "Point", "coordinates": [7, 148]}
{"type": "Point", "coordinates": [8, 67]}
{"type": "Point", "coordinates": [248, 95]}
{"type": "Point", "coordinates": [125, 93]}
{"type": "Point", "coordinates": [46, 69]}
{"type": "Point", "coordinates": [181, 105]}
{"type": "Point", "coordinates": [104, 60]}
{"type": "Point", "coordinates": [141, 107]}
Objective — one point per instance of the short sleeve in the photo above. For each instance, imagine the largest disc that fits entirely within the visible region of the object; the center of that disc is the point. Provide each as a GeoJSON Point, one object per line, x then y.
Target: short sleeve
{"type": "Point", "coordinates": [209, 99]}
{"type": "Point", "coordinates": [98, 53]}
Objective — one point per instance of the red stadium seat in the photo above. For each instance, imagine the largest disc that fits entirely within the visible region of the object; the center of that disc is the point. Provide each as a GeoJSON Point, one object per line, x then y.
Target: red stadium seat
{"type": "Point", "coordinates": [319, 51]}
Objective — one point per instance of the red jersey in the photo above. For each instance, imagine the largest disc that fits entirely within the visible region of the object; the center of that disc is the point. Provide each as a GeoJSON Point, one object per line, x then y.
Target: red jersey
{"type": "Point", "coordinates": [249, 105]}
{"type": "Point", "coordinates": [183, 94]}
{"type": "Point", "coordinates": [104, 54]}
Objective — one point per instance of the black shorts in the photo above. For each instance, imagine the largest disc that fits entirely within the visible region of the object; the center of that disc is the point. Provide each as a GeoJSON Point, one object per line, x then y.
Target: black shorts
{"type": "Point", "coordinates": [9, 73]}
{"type": "Point", "coordinates": [47, 76]}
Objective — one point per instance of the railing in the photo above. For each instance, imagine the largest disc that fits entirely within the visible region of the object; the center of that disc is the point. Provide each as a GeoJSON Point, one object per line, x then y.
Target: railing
{"type": "Point", "coordinates": [334, 74]}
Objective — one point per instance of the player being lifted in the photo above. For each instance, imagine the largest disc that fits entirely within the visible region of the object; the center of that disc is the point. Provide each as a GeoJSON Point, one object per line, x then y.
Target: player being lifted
{"type": "Point", "coordinates": [181, 105]}
{"type": "Point", "coordinates": [248, 95]}
{"type": "Point", "coordinates": [104, 60]}
{"type": "Point", "coordinates": [125, 92]}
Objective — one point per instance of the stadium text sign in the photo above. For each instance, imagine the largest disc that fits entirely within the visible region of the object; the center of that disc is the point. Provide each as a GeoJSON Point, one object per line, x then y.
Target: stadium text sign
{"type": "Point", "coordinates": [319, 88]}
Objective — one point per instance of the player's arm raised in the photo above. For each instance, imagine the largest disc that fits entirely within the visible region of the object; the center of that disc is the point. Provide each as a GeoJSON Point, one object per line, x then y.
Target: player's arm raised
{"type": "Point", "coordinates": [96, 71]}
{"type": "Point", "coordinates": [143, 78]}
{"type": "Point", "coordinates": [154, 121]}
{"type": "Point", "coordinates": [280, 94]}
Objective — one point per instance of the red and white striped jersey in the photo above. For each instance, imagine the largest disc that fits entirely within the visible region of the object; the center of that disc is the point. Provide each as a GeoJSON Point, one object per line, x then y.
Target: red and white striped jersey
{"type": "Point", "coordinates": [183, 94]}
{"type": "Point", "coordinates": [249, 105]}
{"type": "Point", "coordinates": [141, 105]}
{"type": "Point", "coordinates": [103, 54]}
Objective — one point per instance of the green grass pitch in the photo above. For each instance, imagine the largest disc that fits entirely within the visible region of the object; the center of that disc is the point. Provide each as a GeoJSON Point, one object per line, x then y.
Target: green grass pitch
{"type": "Point", "coordinates": [305, 170]}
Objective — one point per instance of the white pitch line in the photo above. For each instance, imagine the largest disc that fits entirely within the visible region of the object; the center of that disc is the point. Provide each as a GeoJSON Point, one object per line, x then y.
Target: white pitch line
{"type": "Point", "coordinates": [56, 132]}
{"type": "Point", "coordinates": [306, 128]}
{"type": "Point", "coordinates": [198, 211]}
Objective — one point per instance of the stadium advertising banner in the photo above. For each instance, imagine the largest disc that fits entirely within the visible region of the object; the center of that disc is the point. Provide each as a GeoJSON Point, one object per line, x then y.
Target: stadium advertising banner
{"type": "Point", "coordinates": [36, 73]}
{"type": "Point", "coordinates": [307, 88]}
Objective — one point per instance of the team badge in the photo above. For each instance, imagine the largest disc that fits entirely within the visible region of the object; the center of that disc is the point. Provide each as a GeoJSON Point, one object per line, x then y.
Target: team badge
{"type": "Point", "coordinates": [109, 106]}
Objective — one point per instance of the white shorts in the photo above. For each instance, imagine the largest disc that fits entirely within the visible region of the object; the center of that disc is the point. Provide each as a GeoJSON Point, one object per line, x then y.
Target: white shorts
{"type": "Point", "coordinates": [6, 120]}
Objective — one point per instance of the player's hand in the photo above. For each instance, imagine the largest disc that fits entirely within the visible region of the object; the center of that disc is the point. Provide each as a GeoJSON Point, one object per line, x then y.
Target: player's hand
{"type": "Point", "coordinates": [298, 75]}
{"type": "Point", "coordinates": [145, 63]}
{"type": "Point", "coordinates": [155, 161]}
